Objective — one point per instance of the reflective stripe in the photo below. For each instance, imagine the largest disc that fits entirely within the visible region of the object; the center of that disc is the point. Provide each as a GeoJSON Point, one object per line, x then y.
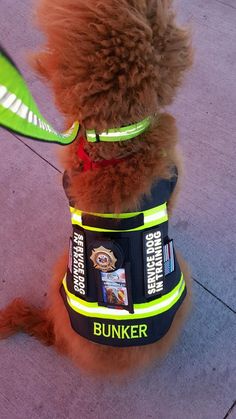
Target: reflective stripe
{"type": "Point", "coordinates": [152, 217]}
{"type": "Point", "coordinates": [12, 103]}
{"type": "Point", "coordinates": [18, 110]}
{"type": "Point", "coordinates": [16, 105]}
{"type": "Point", "coordinates": [77, 218]}
{"type": "Point", "coordinates": [120, 134]}
{"type": "Point", "coordinates": [8, 100]}
{"type": "Point", "coordinates": [141, 311]}
{"type": "Point", "coordinates": [30, 117]}
{"type": "Point", "coordinates": [150, 211]}
{"type": "Point", "coordinates": [3, 91]}
{"type": "Point", "coordinates": [22, 111]}
{"type": "Point", "coordinates": [155, 217]}
{"type": "Point", "coordinates": [35, 121]}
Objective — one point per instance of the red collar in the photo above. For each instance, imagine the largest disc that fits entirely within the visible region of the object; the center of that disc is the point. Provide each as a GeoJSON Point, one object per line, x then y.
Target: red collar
{"type": "Point", "coordinates": [88, 163]}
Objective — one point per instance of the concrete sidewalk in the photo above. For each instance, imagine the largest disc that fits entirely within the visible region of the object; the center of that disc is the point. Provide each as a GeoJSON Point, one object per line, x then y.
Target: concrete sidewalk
{"type": "Point", "coordinates": [197, 380]}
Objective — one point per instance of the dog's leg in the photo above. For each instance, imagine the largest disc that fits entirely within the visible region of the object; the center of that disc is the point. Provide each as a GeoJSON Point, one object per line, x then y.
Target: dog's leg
{"type": "Point", "coordinates": [19, 316]}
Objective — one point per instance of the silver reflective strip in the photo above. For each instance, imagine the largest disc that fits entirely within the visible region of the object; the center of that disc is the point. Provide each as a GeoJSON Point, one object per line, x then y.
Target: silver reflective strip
{"type": "Point", "coordinates": [77, 218]}
{"type": "Point", "coordinates": [3, 91]}
{"type": "Point", "coordinates": [157, 216]}
{"type": "Point", "coordinates": [41, 124]}
{"type": "Point", "coordinates": [115, 134]}
{"type": "Point", "coordinates": [11, 102]}
{"type": "Point", "coordinates": [153, 309]}
{"type": "Point", "coordinates": [15, 106]}
{"type": "Point", "coordinates": [8, 100]}
{"type": "Point", "coordinates": [23, 111]}
{"type": "Point", "coordinates": [118, 133]}
{"type": "Point", "coordinates": [30, 117]}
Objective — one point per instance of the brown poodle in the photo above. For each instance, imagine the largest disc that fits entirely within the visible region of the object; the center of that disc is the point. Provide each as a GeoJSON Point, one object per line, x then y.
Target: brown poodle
{"type": "Point", "coordinates": [111, 63]}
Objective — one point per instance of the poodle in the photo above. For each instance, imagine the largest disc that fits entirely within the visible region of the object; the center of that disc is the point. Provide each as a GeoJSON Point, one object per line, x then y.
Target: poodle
{"type": "Point", "coordinates": [112, 65]}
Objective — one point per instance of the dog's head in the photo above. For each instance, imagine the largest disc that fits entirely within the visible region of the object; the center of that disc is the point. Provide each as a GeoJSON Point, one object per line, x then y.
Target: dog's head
{"type": "Point", "coordinates": [112, 62]}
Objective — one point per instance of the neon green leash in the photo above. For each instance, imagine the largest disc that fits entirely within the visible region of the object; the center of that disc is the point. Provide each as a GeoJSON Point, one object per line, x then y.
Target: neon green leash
{"type": "Point", "coordinates": [19, 113]}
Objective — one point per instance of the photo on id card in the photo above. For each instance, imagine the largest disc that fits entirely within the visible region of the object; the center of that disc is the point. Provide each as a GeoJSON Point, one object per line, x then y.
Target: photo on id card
{"type": "Point", "coordinates": [114, 288]}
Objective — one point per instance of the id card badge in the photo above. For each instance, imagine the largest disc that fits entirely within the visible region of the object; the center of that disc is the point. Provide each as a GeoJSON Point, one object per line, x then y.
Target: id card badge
{"type": "Point", "coordinates": [114, 289]}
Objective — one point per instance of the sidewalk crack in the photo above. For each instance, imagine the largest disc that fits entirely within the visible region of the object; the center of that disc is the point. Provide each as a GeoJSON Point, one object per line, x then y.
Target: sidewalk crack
{"type": "Point", "coordinates": [230, 410]}
{"type": "Point", "coordinates": [226, 4]}
{"type": "Point", "coordinates": [214, 295]}
{"type": "Point", "coordinates": [35, 152]}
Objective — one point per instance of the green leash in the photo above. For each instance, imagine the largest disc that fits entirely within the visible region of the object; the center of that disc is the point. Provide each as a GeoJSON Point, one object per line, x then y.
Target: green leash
{"type": "Point", "coordinates": [19, 113]}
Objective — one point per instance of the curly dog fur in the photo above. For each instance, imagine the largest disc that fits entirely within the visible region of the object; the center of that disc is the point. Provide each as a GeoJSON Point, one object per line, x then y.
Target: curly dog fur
{"type": "Point", "coordinates": [110, 63]}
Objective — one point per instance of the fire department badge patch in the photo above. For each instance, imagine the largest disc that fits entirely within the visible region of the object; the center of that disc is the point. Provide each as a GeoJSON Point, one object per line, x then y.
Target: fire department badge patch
{"type": "Point", "coordinates": [103, 259]}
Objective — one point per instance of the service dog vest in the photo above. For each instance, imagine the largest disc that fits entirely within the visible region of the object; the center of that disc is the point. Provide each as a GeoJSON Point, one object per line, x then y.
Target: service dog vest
{"type": "Point", "coordinates": [123, 284]}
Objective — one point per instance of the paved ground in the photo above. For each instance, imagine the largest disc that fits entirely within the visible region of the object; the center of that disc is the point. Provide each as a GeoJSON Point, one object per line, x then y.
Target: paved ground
{"type": "Point", "coordinates": [197, 381]}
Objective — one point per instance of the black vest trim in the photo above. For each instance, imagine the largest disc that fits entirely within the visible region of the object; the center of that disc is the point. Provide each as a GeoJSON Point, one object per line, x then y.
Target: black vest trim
{"type": "Point", "coordinates": [120, 333]}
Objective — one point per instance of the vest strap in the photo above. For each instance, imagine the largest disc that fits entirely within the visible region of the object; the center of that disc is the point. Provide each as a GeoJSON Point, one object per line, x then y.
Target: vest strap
{"type": "Point", "coordinates": [146, 219]}
{"type": "Point", "coordinates": [113, 223]}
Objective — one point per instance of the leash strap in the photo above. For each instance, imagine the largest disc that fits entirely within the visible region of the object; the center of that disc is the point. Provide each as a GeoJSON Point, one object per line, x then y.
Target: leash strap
{"type": "Point", "coordinates": [19, 111]}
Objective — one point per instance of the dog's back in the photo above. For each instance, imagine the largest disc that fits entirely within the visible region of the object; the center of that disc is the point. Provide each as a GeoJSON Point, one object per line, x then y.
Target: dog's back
{"type": "Point", "coordinates": [110, 63]}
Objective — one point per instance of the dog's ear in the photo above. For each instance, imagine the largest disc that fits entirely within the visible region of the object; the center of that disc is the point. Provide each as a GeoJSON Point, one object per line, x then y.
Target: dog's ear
{"type": "Point", "coordinates": [172, 45]}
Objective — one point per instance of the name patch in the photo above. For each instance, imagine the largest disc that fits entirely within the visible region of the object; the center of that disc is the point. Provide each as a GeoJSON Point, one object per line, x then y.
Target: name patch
{"type": "Point", "coordinates": [153, 263]}
{"type": "Point", "coordinates": [120, 331]}
{"type": "Point", "coordinates": [78, 264]}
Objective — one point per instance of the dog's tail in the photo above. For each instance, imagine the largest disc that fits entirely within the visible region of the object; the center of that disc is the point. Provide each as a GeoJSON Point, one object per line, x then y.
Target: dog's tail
{"type": "Point", "coordinates": [19, 316]}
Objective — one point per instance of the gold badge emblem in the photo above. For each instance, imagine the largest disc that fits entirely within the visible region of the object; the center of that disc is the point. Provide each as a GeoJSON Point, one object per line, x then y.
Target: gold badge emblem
{"type": "Point", "coordinates": [103, 259]}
